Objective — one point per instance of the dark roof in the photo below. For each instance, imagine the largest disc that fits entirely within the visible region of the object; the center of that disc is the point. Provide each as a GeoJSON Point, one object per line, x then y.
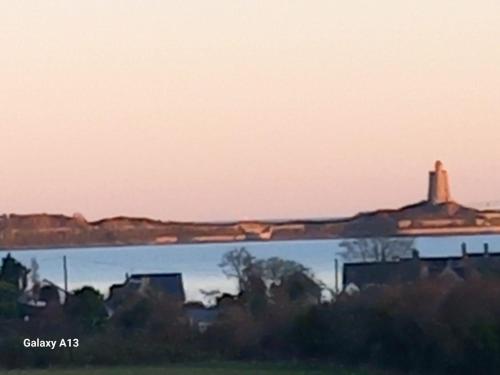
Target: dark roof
{"type": "Point", "coordinates": [380, 272]}
{"type": "Point", "coordinates": [408, 269]}
{"type": "Point", "coordinates": [425, 259]}
{"type": "Point", "coordinates": [169, 283]}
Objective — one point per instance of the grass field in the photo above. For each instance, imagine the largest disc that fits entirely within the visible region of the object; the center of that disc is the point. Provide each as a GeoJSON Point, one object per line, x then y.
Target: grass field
{"type": "Point", "coordinates": [212, 369]}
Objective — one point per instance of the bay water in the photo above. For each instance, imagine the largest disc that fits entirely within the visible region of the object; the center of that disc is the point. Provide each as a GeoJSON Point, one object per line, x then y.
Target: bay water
{"type": "Point", "coordinates": [101, 267]}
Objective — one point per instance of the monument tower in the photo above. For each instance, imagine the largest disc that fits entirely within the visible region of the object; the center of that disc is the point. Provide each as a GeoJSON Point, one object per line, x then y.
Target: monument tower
{"type": "Point", "coordinates": [439, 188]}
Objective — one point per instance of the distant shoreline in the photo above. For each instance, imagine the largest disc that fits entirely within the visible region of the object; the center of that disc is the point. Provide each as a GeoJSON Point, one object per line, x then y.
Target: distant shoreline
{"type": "Point", "coordinates": [242, 242]}
{"type": "Point", "coordinates": [44, 231]}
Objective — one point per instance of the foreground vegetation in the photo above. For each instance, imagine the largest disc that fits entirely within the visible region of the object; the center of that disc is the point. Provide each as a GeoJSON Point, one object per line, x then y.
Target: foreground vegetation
{"type": "Point", "coordinates": [438, 326]}
{"type": "Point", "coordinates": [201, 369]}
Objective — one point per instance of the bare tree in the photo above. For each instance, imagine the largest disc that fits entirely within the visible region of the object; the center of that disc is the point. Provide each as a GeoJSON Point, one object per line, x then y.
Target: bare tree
{"type": "Point", "coordinates": [376, 249]}
{"type": "Point", "coordinates": [239, 264]}
{"type": "Point", "coordinates": [273, 270]}
{"type": "Point", "coordinates": [235, 262]}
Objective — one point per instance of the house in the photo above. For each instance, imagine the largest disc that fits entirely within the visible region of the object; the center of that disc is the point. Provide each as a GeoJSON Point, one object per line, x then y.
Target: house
{"type": "Point", "coordinates": [401, 271]}
{"type": "Point", "coordinates": [200, 316]}
{"type": "Point", "coordinates": [44, 294]}
{"type": "Point", "coordinates": [168, 283]}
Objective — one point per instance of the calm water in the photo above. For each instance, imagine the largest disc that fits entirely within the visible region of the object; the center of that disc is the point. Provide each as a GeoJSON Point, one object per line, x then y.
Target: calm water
{"type": "Point", "coordinates": [101, 267]}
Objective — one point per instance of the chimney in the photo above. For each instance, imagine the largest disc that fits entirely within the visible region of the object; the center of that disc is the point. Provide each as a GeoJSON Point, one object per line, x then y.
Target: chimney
{"type": "Point", "coordinates": [486, 247]}
{"type": "Point", "coordinates": [464, 249]}
{"type": "Point", "coordinates": [415, 254]}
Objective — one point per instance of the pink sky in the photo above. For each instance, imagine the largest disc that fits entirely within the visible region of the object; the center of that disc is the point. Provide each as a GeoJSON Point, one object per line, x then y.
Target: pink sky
{"type": "Point", "coordinates": [215, 110]}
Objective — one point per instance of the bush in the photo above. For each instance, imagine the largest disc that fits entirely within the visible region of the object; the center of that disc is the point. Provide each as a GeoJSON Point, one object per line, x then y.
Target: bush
{"type": "Point", "coordinates": [427, 327]}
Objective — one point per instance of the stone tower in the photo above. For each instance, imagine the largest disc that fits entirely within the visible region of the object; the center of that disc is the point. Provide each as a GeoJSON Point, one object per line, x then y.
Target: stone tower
{"type": "Point", "coordinates": [439, 188]}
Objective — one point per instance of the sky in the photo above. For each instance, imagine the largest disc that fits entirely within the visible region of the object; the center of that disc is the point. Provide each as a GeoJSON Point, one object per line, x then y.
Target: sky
{"type": "Point", "coordinates": [231, 109]}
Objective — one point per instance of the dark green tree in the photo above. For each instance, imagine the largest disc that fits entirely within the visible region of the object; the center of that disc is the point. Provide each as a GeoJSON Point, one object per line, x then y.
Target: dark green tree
{"type": "Point", "coordinates": [86, 305]}
{"type": "Point", "coordinates": [8, 300]}
{"type": "Point", "coordinates": [13, 272]}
